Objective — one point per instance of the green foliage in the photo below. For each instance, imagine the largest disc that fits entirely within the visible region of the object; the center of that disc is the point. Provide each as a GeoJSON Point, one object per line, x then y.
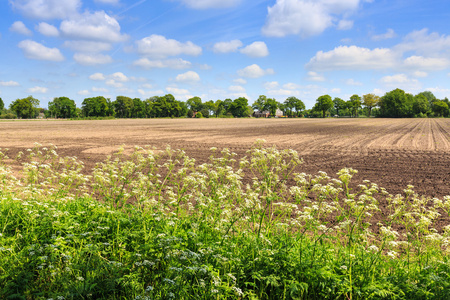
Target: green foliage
{"type": "Point", "coordinates": [323, 104]}
{"type": "Point", "coordinates": [420, 105]}
{"type": "Point", "coordinates": [62, 107]}
{"type": "Point", "coordinates": [25, 108]}
{"type": "Point", "coordinates": [124, 106]}
{"type": "Point", "coordinates": [396, 104]}
{"type": "Point", "coordinates": [370, 101]}
{"type": "Point", "coordinates": [159, 226]}
{"type": "Point", "coordinates": [440, 108]}
{"type": "Point", "coordinates": [199, 115]}
{"type": "Point", "coordinates": [2, 105]}
{"type": "Point", "coordinates": [239, 107]}
{"type": "Point", "coordinates": [97, 107]}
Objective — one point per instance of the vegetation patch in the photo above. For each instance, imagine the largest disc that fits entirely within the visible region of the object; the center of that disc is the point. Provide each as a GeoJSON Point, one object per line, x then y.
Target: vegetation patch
{"type": "Point", "coordinates": [157, 225]}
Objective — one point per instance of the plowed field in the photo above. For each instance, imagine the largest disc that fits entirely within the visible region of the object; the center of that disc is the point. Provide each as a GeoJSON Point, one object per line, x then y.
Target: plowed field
{"type": "Point", "coordinates": [390, 152]}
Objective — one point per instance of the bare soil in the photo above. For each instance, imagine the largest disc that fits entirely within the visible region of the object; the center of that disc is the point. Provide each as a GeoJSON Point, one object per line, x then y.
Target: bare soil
{"type": "Point", "coordinates": [390, 152]}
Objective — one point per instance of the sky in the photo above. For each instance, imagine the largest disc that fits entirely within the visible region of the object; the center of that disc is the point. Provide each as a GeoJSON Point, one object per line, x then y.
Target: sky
{"type": "Point", "coordinates": [218, 49]}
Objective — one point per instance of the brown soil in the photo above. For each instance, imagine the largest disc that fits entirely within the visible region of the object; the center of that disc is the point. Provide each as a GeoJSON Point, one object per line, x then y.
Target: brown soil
{"type": "Point", "coordinates": [390, 152]}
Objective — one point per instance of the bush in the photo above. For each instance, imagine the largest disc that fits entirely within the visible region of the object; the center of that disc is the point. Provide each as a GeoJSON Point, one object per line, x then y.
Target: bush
{"type": "Point", "coordinates": [199, 115]}
{"type": "Point", "coordinates": [8, 116]}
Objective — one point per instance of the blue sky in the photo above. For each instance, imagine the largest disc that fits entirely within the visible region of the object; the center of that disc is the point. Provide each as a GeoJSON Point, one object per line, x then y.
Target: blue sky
{"type": "Point", "coordinates": [218, 49]}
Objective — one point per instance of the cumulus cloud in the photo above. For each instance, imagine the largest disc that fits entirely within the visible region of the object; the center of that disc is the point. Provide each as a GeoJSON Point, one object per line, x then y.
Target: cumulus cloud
{"type": "Point", "coordinates": [236, 89]}
{"type": "Point", "coordinates": [97, 77]}
{"type": "Point", "coordinates": [227, 47]}
{"type": "Point", "coordinates": [400, 81]}
{"type": "Point", "coordinates": [345, 25]}
{"type": "Point", "coordinates": [205, 4]}
{"type": "Point", "coordinates": [353, 58]}
{"type": "Point", "coordinates": [9, 83]}
{"type": "Point", "coordinates": [20, 28]}
{"type": "Point", "coordinates": [271, 85]}
{"type": "Point", "coordinates": [177, 92]}
{"type": "Point", "coordinates": [426, 63]}
{"type": "Point", "coordinates": [34, 50]}
{"type": "Point", "coordinates": [176, 63]}
{"type": "Point", "coordinates": [99, 90]}
{"type": "Point", "coordinates": [189, 76]}
{"type": "Point", "coordinates": [47, 29]}
{"type": "Point", "coordinates": [38, 89]}
{"type": "Point", "coordinates": [114, 83]}
{"type": "Point", "coordinates": [313, 76]}
{"type": "Point", "coordinates": [425, 44]}
{"type": "Point", "coordinates": [388, 35]}
{"type": "Point", "coordinates": [306, 17]}
{"type": "Point", "coordinates": [119, 76]}
{"type": "Point", "coordinates": [87, 46]}
{"type": "Point", "coordinates": [92, 59]}
{"type": "Point", "coordinates": [254, 71]}
{"type": "Point", "coordinates": [291, 86]}
{"type": "Point", "coordinates": [49, 9]}
{"type": "Point", "coordinates": [83, 92]}
{"type": "Point", "coordinates": [240, 81]}
{"type": "Point", "coordinates": [157, 46]}
{"type": "Point", "coordinates": [353, 82]}
{"type": "Point", "coordinates": [97, 26]}
{"type": "Point", "coordinates": [256, 49]}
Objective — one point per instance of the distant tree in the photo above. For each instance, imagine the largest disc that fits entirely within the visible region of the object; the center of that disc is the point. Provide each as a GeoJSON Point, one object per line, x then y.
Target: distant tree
{"type": "Point", "coordinates": [396, 104]}
{"type": "Point", "coordinates": [323, 104]}
{"type": "Point", "coordinates": [292, 103]}
{"type": "Point", "coordinates": [97, 107]}
{"type": "Point", "coordinates": [62, 107]}
{"type": "Point", "coordinates": [239, 107]}
{"type": "Point", "coordinates": [421, 104]}
{"type": "Point", "coordinates": [271, 105]}
{"type": "Point", "coordinates": [260, 103]}
{"type": "Point", "coordinates": [440, 108]}
{"type": "Point", "coordinates": [430, 97]}
{"type": "Point", "coordinates": [211, 107]}
{"type": "Point", "coordinates": [220, 109]}
{"type": "Point", "coordinates": [370, 101]}
{"type": "Point", "coordinates": [339, 105]}
{"type": "Point", "coordinates": [138, 109]}
{"type": "Point", "coordinates": [2, 105]}
{"type": "Point", "coordinates": [123, 106]}
{"type": "Point", "coordinates": [355, 104]}
{"type": "Point", "coordinates": [23, 108]}
{"type": "Point", "coordinates": [195, 104]}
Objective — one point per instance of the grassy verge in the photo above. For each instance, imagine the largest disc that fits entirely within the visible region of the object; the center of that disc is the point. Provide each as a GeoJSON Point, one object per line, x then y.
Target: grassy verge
{"type": "Point", "coordinates": [160, 226]}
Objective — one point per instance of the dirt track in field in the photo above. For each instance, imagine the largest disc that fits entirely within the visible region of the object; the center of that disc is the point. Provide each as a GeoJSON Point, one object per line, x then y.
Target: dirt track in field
{"type": "Point", "coordinates": [391, 152]}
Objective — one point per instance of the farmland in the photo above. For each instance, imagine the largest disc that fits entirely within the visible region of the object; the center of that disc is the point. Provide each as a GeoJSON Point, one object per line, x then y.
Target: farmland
{"type": "Point", "coordinates": [390, 152]}
{"type": "Point", "coordinates": [251, 222]}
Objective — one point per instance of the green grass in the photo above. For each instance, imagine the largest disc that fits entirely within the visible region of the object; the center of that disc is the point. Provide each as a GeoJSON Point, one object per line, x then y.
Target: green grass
{"type": "Point", "coordinates": [161, 226]}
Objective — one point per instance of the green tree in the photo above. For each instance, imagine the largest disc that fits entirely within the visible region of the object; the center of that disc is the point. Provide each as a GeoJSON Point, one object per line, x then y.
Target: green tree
{"type": "Point", "coordinates": [97, 107]}
{"type": "Point", "coordinates": [370, 101]}
{"type": "Point", "coordinates": [339, 105]}
{"type": "Point", "coordinates": [2, 105]}
{"type": "Point", "coordinates": [396, 104]}
{"type": "Point", "coordinates": [23, 108]}
{"type": "Point", "coordinates": [271, 105]}
{"type": "Point", "coordinates": [138, 110]}
{"type": "Point", "coordinates": [239, 107]}
{"type": "Point", "coordinates": [292, 103]}
{"type": "Point", "coordinates": [420, 105]}
{"type": "Point", "coordinates": [355, 104]}
{"type": "Point", "coordinates": [123, 106]}
{"type": "Point", "coordinates": [62, 107]}
{"type": "Point", "coordinates": [430, 97]}
{"type": "Point", "coordinates": [323, 104]}
{"type": "Point", "coordinates": [440, 108]}
{"type": "Point", "coordinates": [260, 103]}
{"type": "Point", "coordinates": [195, 104]}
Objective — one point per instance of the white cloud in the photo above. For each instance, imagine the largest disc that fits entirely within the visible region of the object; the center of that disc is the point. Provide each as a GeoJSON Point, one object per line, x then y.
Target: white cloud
{"type": "Point", "coordinates": [291, 86]}
{"type": "Point", "coordinates": [88, 46]}
{"type": "Point", "coordinates": [114, 83]}
{"type": "Point", "coordinates": [283, 93]}
{"type": "Point", "coordinates": [177, 92]}
{"type": "Point", "coordinates": [240, 81]}
{"type": "Point", "coordinates": [38, 89]}
{"type": "Point", "coordinates": [427, 63]}
{"type": "Point", "coordinates": [345, 25]}
{"type": "Point", "coordinates": [92, 59]}
{"type": "Point", "coordinates": [400, 81]}
{"type": "Point", "coordinates": [20, 28]}
{"type": "Point", "coordinates": [83, 92]}
{"type": "Point", "coordinates": [353, 82]}
{"type": "Point", "coordinates": [425, 44]}
{"type": "Point", "coordinates": [119, 76]}
{"type": "Point", "coordinates": [227, 47]}
{"type": "Point", "coordinates": [145, 93]}
{"type": "Point", "coordinates": [97, 77]}
{"type": "Point", "coordinates": [420, 74]}
{"type": "Point", "coordinates": [9, 83]}
{"type": "Point", "coordinates": [96, 26]}
{"type": "Point", "coordinates": [34, 50]}
{"type": "Point", "coordinates": [306, 17]}
{"type": "Point", "coordinates": [353, 58]}
{"type": "Point", "coordinates": [176, 63]}
{"type": "Point", "coordinates": [313, 76]}
{"type": "Point", "coordinates": [256, 49]}
{"type": "Point", "coordinates": [254, 71]}
{"type": "Point", "coordinates": [48, 9]}
{"type": "Point", "coordinates": [189, 76]}
{"type": "Point", "coordinates": [388, 35]}
{"type": "Point", "coordinates": [236, 89]}
{"type": "Point", "coordinates": [99, 90]}
{"type": "Point", "coordinates": [205, 4]}
{"type": "Point", "coordinates": [271, 85]}
{"type": "Point", "coordinates": [47, 29]}
{"type": "Point", "coordinates": [158, 46]}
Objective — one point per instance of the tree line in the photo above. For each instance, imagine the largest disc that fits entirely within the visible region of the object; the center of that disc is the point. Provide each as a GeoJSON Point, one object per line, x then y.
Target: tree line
{"type": "Point", "coordinates": [394, 104]}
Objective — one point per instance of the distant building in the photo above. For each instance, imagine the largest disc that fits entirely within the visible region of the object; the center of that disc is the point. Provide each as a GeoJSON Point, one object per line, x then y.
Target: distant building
{"type": "Point", "coordinates": [266, 114]}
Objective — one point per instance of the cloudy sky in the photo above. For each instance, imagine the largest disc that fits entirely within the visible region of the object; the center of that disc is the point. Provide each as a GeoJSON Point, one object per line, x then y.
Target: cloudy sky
{"type": "Point", "coordinates": [219, 49]}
